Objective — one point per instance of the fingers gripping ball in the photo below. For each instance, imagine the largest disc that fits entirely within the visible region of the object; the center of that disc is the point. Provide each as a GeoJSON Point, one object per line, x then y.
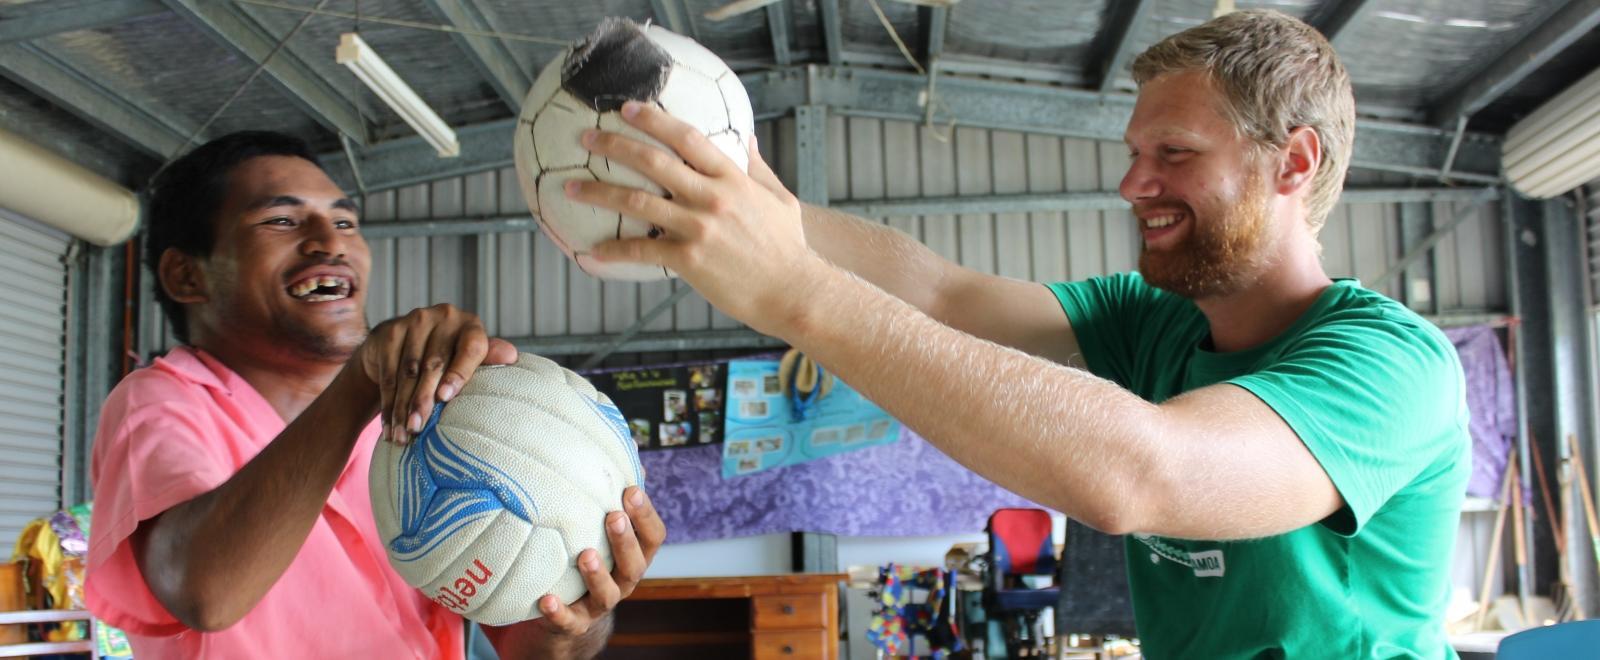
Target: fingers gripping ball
{"type": "Point", "coordinates": [585, 88]}
{"type": "Point", "coordinates": [487, 510]}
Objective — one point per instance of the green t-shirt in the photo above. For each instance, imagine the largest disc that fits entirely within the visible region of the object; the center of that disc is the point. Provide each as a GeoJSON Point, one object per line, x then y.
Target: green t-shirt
{"type": "Point", "coordinates": [1377, 394]}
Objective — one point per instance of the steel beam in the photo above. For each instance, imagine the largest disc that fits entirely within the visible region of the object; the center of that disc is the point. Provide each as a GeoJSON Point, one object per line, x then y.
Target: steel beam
{"type": "Point", "coordinates": [44, 74]}
{"type": "Point", "coordinates": [1420, 285]}
{"type": "Point", "coordinates": [1339, 15]}
{"type": "Point", "coordinates": [489, 54]}
{"type": "Point", "coordinates": [1379, 145]}
{"type": "Point", "coordinates": [56, 21]}
{"type": "Point", "coordinates": [638, 326]}
{"type": "Point", "coordinates": [931, 25]}
{"type": "Point", "coordinates": [1104, 200]}
{"type": "Point", "coordinates": [1502, 73]}
{"type": "Point", "coordinates": [410, 160]}
{"type": "Point", "coordinates": [229, 27]}
{"type": "Point", "coordinates": [908, 206]}
{"type": "Point", "coordinates": [1122, 25]}
{"type": "Point", "coordinates": [778, 27]}
{"type": "Point", "coordinates": [449, 227]}
{"type": "Point", "coordinates": [669, 14]}
{"type": "Point", "coordinates": [832, 31]}
{"type": "Point", "coordinates": [646, 342]}
{"type": "Point", "coordinates": [811, 154]}
{"type": "Point", "coordinates": [1415, 252]}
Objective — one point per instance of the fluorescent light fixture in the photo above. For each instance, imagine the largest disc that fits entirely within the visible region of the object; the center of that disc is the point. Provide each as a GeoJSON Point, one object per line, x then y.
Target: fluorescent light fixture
{"type": "Point", "coordinates": [365, 63]}
{"type": "Point", "coordinates": [1557, 147]}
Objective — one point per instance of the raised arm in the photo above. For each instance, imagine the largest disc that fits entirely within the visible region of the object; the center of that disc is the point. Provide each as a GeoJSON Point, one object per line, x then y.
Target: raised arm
{"type": "Point", "coordinates": [1010, 312]}
{"type": "Point", "coordinates": [1193, 467]}
{"type": "Point", "coordinates": [210, 559]}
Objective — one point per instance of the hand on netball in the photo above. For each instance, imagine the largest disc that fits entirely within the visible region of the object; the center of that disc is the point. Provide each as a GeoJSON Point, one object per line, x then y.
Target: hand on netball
{"type": "Point", "coordinates": [424, 357]}
{"type": "Point", "coordinates": [736, 238]}
{"type": "Point", "coordinates": [636, 533]}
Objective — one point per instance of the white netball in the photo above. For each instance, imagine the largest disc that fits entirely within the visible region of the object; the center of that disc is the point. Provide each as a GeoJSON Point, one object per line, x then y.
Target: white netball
{"type": "Point", "coordinates": [487, 509]}
{"type": "Point", "coordinates": [584, 88]}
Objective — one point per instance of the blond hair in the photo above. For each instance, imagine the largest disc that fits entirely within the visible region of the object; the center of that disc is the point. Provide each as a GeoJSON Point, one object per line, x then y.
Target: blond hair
{"type": "Point", "coordinates": [1276, 74]}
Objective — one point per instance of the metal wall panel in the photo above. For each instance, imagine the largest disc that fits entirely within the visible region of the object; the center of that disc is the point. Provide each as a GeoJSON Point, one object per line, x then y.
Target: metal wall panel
{"type": "Point", "coordinates": [524, 287]}
{"type": "Point", "coordinates": [33, 340]}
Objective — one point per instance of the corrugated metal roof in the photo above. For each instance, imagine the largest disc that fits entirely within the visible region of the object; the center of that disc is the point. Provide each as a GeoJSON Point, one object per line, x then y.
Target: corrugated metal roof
{"type": "Point", "coordinates": [1405, 56]}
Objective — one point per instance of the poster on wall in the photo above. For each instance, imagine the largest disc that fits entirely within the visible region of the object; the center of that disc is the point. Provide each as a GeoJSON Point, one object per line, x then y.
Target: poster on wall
{"type": "Point", "coordinates": [762, 430]}
{"type": "Point", "coordinates": [669, 407]}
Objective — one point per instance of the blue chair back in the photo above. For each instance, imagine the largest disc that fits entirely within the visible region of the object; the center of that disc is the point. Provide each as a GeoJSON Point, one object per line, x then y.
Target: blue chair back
{"type": "Point", "coordinates": [1573, 639]}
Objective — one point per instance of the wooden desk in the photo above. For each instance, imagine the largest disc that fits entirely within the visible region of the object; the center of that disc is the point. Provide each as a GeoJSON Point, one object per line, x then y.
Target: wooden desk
{"type": "Point", "coordinates": [760, 617]}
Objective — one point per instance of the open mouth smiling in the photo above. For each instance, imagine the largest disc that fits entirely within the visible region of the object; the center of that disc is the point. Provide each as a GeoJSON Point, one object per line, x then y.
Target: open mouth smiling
{"type": "Point", "coordinates": [320, 288]}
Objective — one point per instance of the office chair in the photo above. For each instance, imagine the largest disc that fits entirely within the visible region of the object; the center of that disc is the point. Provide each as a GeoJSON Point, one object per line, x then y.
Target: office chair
{"type": "Point", "coordinates": [1019, 546]}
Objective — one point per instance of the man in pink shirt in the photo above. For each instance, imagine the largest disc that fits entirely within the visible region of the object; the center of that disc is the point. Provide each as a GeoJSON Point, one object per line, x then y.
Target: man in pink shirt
{"type": "Point", "coordinates": [232, 517]}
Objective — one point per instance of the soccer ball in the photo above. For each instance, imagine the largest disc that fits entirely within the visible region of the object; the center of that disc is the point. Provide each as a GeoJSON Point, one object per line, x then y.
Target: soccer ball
{"type": "Point", "coordinates": [487, 510]}
{"type": "Point", "coordinates": [585, 88]}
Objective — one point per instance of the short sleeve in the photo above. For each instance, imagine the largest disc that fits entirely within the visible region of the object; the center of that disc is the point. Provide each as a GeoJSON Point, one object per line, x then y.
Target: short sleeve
{"type": "Point", "coordinates": [1130, 332]}
{"type": "Point", "coordinates": [1101, 309]}
{"type": "Point", "coordinates": [1377, 399]}
{"type": "Point", "coordinates": [147, 460]}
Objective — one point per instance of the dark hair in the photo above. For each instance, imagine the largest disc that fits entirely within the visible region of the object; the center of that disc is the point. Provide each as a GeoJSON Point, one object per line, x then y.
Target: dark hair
{"type": "Point", "coordinates": [186, 195]}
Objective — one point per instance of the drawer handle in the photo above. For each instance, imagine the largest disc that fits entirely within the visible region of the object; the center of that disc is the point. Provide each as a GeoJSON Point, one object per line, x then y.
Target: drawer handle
{"type": "Point", "coordinates": [788, 650]}
{"type": "Point", "coordinates": [787, 609]}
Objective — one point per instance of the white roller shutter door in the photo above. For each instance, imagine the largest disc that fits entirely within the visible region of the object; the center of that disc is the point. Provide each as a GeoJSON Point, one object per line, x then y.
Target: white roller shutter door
{"type": "Point", "coordinates": [33, 304]}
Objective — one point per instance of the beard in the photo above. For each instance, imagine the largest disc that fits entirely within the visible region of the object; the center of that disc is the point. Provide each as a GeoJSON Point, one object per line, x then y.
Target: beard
{"type": "Point", "coordinates": [1225, 252]}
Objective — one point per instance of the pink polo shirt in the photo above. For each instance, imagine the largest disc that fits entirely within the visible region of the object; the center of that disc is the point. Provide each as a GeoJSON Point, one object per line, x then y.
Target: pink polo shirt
{"type": "Point", "coordinates": [180, 428]}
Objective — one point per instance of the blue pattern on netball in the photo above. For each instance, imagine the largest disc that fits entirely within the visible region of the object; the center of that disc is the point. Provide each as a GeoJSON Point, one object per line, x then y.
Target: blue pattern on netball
{"type": "Point", "coordinates": [443, 488]}
{"type": "Point", "coordinates": [619, 426]}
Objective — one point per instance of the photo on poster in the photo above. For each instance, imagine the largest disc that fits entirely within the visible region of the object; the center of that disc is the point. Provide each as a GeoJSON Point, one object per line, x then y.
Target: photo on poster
{"type": "Point", "coordinates": [674, 405]}
{"type": "Point", "coordinates": [738, 448]}
{"type": "Point", "coordinates": [743, 388]}
{"type": "Point", "coordinates": [826, 436]}
{"type": "Point", "coordinates": [703, 376]}
{"type": "Point", "coordinates": [708, 399]}
{"type": "Point", "coordinates": [879, 429]}
{"type": "Point", "coordinates": [769, 385]}
{"type": "Point", "coordinates": [675, 434]}
{"type": "Point", "coordinates": [770, 445]}
{"type": "Point", "coordinates": [640, 428]}
{"type": "Point", "coordinates": [710, 426]}
{"type": "Point", "coordinates": [756, 409]}
{"type": "Point", "coordinates": [748, 465]}
{"type": "Point", "coordinates": [855, 433]}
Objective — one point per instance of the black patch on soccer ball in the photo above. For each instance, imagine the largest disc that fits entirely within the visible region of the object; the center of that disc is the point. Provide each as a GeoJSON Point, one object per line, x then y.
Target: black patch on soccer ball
{"type": "Point", "coordinates": [615, 64]}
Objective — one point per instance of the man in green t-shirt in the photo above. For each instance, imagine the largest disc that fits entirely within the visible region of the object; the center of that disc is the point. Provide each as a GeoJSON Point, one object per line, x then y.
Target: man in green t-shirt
{"type": "Point", "coordinates": [1286, 453]}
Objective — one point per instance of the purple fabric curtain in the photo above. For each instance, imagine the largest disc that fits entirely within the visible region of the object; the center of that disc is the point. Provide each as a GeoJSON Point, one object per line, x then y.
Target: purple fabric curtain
{"type": "Point", "coordinates": [1491, 397]}
{"type": "Point", "coordinates": [904, 488]}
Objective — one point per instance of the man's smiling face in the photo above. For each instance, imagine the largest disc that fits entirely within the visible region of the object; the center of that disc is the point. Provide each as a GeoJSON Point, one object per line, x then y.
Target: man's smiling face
{"type": "Point", "coordinates": [1199, 190]}
{"type": "Point", "coordinates": [289, 265]}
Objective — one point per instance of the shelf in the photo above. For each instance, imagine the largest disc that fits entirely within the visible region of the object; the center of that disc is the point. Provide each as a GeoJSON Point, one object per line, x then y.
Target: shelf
{"type": "Point", "coordinates": [39, 648]}
{"type": "Point", "coordinates": [43, 616]}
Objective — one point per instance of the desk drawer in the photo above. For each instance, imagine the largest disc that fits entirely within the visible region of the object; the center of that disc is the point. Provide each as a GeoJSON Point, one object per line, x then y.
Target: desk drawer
{"type": "Point", "coordinates": [788, 644]}
{"type": "Point", "coordinates": [788, 611]}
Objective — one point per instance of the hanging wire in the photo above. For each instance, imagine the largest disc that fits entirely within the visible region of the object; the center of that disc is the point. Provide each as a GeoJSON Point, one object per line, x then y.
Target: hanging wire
{"type": "Point", "coordinates": [417, 25]}
{"type": "Point", "coordinates": [260, 66]}
{"type": "Point", "coordinates": [932, 72]}
{"type": "Point", "coordinates": [895, 35]}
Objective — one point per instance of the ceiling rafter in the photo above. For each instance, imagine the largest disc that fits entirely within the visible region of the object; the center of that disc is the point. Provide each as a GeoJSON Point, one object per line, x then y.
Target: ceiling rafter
{"type": "Point", "coordinates": [241, 35]}
{"type": "Point", "coordinates": [489, 55]}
